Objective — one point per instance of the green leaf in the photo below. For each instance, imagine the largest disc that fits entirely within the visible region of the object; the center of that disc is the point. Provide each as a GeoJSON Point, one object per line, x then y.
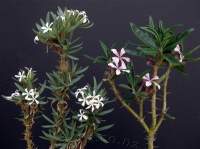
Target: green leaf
{"type": "Point", "coordinates": [181, 36]}
{"type": "Point", "coordinates": [72, 57]}
{"type": "Point", "coordinates": [81, 70]}
{"type": "Point", "coordinates": [105, 112]}
{"type": "Point", "coordinates": [19, 87]}
{"type": "Point", "coordinates": [148, 51]}
{"type": "Point", "coordinates": [50, 136]}
{"type": "Point", "coordinates": [43, 86]}
{"type": "Point", "coordinates": [101, 138]}
{"type": "Point", "coordinates": [171, 60]}
{"type": "Point", "coordinates": [75, 80]}
{"type": "Point", "coordinates": [134, 52]}
{"type": "Point", "coordinates": [125, 86]}
{"type": "Point", "coordinates": [104, 128]}
{"type": "Point", "coordinates": [142, 36]}
{"type": "Point", "coordinates": [48, 119]}
{"type": "Point", "coordinates": [189, 54]}
{"type": "Point", "coordinates": [105, 48]}
{"type": "Point", "coordinates": [151, 22]}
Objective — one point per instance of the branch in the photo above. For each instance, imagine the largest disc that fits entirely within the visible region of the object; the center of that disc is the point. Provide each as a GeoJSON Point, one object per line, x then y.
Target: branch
{"type": "Point", "coordinates": [127, 107]}
{"type": "Point", "coordinates": [153, 100]}
{"type": "Point", "coordinates": [164, 104]}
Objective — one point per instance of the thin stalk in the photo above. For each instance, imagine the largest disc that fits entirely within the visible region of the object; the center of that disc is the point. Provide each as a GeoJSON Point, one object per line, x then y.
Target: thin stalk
{"type": "Point", "coordinates": [164, 104]}
{"type": "Point", "coordinates": [153, 100]}
{"type": "Point", "coordinates": [126, 106]}
{"type": "Point", "coordinates": [141, 103]}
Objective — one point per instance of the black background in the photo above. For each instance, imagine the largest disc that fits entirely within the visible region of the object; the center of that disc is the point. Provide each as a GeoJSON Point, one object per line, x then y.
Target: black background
{"type": "Point", "coordinates": [111, 19]}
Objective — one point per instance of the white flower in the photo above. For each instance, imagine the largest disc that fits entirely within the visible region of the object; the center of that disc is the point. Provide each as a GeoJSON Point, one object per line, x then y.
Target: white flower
{"type": "Point", "coordinates": [83, 101]}
{"type": "Point", "coordinates": [36, 39]}
{"type": "Point", "coordinates": [29, 71]}
{"type": "Point", "coordinates": [93, 101]}
{"type": "Point", "coordinates": [82, 14]}
{"type": "Point", "coordinates": [177, 49]}
{"type": "Point", "coordinates": [99, 102]}
{"type": "Point", "coordinates": [31, 96]}
{"type": "Point", "coordinates": [62, 18]}
{"type": "Point", "coordinates": [28, 93]}
{"type": "Point", "coordinates": [80, 94]}
{"type": "Point", "coordinates": [35, 95]}
{"type": "Point", "coordinates": [15, 94]}
{"type": "Point", "coordinates": [149, 81]}
{"type": "Point", "coordinates": [20, 76]}
{"type": "Point", "coordinates": [85, 19]}
{"type": "Point", "coordinates": [81, 91]}
{"type": "Point", "coordinates": [91, 105]}
{"type": "Point", "coordinates": [119, 68]}
{"type": "Point", "coordinates": [47, 27]}
{"type": "Point", "coordinates": [82, 115]}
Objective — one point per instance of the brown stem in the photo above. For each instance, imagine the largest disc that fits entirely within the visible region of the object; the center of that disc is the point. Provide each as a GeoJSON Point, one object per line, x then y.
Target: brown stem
{"type": "Point", "coordinates": [164, 104]}
{"type": "Point", "coordinates": [153, 100]}
{"type": "Point", "coordinates": [151, 138]}
{"type": "Point", "coordinates": [87, 136]}
{"type": "Point", "coordinates": [29, 112]}
{"type": "Point", "coordinates": [63, 64]}
{"type": "Point", "coordinates": [62, 105]}
{"type": "Point", "coordinates": [141, 108]}
{"type": "Point", "coordinates": [126, 106]}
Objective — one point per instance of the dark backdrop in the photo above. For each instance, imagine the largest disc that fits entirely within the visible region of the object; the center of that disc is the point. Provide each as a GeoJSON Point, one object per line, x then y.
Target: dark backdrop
{"type": "Point", "coordinates": [111, 19]}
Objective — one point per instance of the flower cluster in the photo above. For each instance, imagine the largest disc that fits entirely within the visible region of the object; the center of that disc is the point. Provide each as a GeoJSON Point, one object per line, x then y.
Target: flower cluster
{"type": "Point", "coordinates": [24, 89]}
{"type": "Point", "coordinates": [29, 95]}
{"type": "Point", "coordinates": [119, 61]}
{"type": "Point", "coordinates": [90, 101]}
{"type": "Point", "coordinates": [47, 27]}
{"type": "Point", "coordinates": [13, 95]}
{"type": "Point", "coordinates": [150, 81]}
{"type": "Point", "coordinates": [22, 75]}
{"type": "Point", "coordinates": [82, 14]}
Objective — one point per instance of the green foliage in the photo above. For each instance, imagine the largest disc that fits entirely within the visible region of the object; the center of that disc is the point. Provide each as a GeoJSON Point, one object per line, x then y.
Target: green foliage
{"type": "Point", "coordinates": [158, 43]}
{"type": "Point", "coordinates": [105, 57]}
{"type": "Point", "coordinates": [72, 130]}
{"type": "Point", "coordinates": [62, 26]}
{"type": "Point", "coordinates": [28, 82]}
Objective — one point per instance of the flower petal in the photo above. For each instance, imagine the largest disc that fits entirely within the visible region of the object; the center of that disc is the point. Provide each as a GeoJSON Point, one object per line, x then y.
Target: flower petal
{"type": "Point", "coordinates": [177, 48]}
{"type": "Point", "coordinates": [127, 59]}
{"type": "Point", "coordinates": [114, 51]}
{"type": "Point", "coordinates": [118, 72]}
{"type": "Point", "coordinates": [123, 66]}
{"type": "Point", "coordinates": [146, 77]}
{"type": "Point", "coordinates": [155, 78]}
{"type": "Point", "coordinates": [122, 52]}
{"type": "Point", "coordinates": [157, 85]}
{"type": "Point", "coordinates": [148, 83]}
{"type": "Point", "coordinates": [115, 60]}
{"type": "Point", "coordinates": [112, 65]}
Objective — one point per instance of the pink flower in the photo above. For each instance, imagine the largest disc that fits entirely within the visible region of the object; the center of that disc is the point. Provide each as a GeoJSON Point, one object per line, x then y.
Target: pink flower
{"type": "Point", "coordinates": [150, 81]}
{"type": "Point", "coordinates": [119, 56]}
{"type": "Point", "coordinates": [177, 49]}
{"type": "Point", "coordinates": [119, 68]}
{"type": "Point", "coordinates": [118, 61]}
